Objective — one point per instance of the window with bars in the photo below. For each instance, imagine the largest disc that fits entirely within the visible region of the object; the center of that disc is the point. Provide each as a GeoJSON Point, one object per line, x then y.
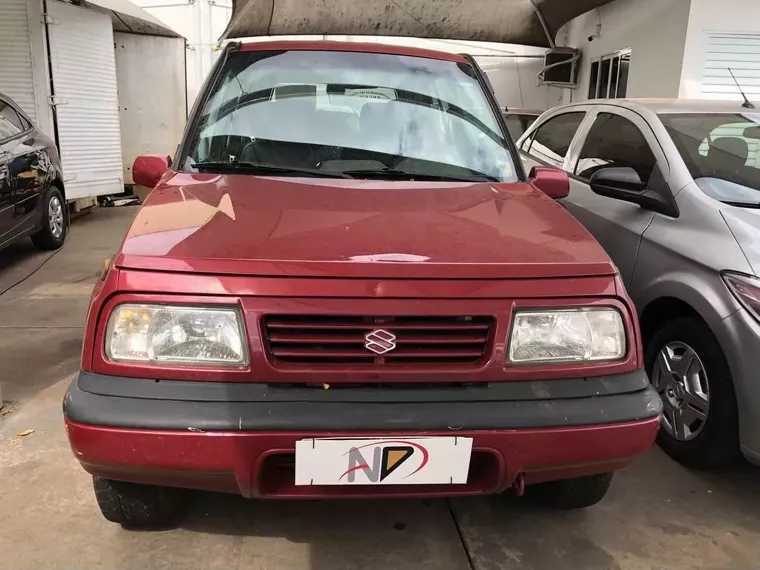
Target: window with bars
{"type": "Point", "coordinates": [609, 76]}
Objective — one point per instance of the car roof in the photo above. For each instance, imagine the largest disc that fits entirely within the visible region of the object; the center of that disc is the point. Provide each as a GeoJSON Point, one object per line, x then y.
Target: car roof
{"type": "Point", "coordinates": [670, 106]}
{"type": "Point", "coordinates": [360, 47]}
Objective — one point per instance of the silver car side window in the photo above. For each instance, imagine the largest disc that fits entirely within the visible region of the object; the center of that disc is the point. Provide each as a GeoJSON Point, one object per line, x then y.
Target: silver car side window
{"type": "Point", "coordinates": [551, 140]}
{"type": "Point", "coordinates": [615, 141]}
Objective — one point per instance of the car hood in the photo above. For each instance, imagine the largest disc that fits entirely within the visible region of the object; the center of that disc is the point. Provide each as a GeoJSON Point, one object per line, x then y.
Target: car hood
{"type": "Point", "coordinates": [251, 225]}
{"type": "Point", "coordinates": [745, 226]}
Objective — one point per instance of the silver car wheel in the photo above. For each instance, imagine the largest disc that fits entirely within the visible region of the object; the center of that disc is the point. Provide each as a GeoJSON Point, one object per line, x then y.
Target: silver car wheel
{"type": "Point", "coordinates": [55, 217]}
{"type": "Point", "coordinates": [679, 377]}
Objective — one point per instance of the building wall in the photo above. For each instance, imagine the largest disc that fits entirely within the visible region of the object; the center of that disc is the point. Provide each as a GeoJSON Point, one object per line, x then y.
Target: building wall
{"type": "Point", "coordinates": [201, 22]}
{"type": "Point", "coordinates": [654, 30]}
{"type": "Point", "coordinates": [733, 16]}
{"type": "Point", "coordinates": [149, 125]}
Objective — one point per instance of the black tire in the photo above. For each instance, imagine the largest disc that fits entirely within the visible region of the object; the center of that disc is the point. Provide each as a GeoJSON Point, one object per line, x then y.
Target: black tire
{"type": "Point", "coordinates": [134, 505]}
{"type": "Point", "coordinates": [569, 494]}
{"type": "Point", "coordinates": [45, 238]}
{"type": "Point", "coordinates": [717, 444]}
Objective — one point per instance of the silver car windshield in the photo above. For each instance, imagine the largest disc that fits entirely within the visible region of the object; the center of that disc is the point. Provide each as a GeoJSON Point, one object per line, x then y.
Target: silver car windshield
{"type": "Point", "coordinates": [350, 112]}
{"type": "Point", "coordinates": [721, 151]}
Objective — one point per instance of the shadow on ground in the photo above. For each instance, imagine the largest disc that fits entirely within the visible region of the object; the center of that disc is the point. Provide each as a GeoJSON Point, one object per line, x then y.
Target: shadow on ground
{"type": "Point", "coordinates": [44, 298]}
{"type": "Point", "coordinates": [658, 515]}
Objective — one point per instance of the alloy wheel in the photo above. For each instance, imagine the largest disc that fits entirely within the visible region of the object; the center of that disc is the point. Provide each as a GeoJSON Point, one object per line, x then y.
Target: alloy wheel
{"type": "Point", "coordinates": [55, 217]}
{"type": "Point", "coordinates": [679, 377]}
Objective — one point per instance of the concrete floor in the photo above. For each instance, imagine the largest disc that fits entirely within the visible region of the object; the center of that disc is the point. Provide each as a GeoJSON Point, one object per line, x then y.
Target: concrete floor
{"type": "Point", "coordinates": [658, 514]}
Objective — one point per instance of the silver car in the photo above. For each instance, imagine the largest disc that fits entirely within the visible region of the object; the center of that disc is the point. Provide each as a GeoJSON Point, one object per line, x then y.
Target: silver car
{"type": "Point", "coordinates": [671, 188]}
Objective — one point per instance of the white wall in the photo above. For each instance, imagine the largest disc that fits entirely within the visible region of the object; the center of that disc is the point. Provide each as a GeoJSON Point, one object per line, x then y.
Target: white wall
{"type": "Point", "coordinates": [654, 30]}
{"type": "Point", "coordinates": [737, 16]}
{"type": "Point", "coordinates": [201, 22]}
{"type": "Point", "coordinates": [149, 125]}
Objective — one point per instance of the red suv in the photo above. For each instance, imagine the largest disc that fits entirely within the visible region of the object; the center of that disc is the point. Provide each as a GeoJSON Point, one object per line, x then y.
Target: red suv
{"type": "Point", "coordinates": [344, 285]}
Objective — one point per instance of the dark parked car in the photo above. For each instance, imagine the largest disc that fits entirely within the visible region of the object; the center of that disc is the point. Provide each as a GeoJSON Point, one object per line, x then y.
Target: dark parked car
{"type": "Point", "coordinates": [344, 285]}
{"type": "Point", "coordinates": [32, 202]}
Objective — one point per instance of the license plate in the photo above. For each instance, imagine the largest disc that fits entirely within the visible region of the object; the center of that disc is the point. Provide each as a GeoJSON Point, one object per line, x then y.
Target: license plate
{"type": "Point", "coordinates": [384, 461]}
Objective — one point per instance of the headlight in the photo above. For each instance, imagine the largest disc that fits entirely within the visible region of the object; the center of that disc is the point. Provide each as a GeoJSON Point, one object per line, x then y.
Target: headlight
{"type": "Point", "coordinates": [747, 291]}
{"type": "Point", "coordinates": [587, 334]}
{"type": "Point", "coordinates": [176, 335]}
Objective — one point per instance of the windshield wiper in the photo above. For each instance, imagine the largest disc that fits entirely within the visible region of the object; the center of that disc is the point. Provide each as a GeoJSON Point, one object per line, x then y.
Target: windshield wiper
{"type": "Point", "coordinates": [258, 168]}
{"type": "Point", "coordinates": [395, 174]}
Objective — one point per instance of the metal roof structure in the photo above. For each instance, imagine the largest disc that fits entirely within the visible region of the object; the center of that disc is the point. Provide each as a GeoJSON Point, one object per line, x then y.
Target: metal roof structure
{"type": "Point", "coordinates": [526, 22]}
{"type": "Point", "coordinates": [128, 17]}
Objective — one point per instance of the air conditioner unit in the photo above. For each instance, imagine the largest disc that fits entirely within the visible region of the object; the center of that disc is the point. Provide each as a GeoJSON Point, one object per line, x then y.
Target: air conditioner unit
{"type": "Point", "coordinates": [561, 67]}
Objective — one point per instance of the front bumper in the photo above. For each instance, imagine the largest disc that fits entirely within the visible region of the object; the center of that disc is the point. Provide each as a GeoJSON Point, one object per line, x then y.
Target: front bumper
{"type": "Point", "coordinates": [241, 438]}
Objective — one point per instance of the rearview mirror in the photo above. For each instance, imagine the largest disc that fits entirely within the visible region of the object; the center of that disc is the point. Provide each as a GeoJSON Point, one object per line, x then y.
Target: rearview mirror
{"type": "Point", "coordinates": [148, 169]}
{"type": "Point", "coordinates": [551, 181]}
{"type": "Point", "coordinates": [624, 183]}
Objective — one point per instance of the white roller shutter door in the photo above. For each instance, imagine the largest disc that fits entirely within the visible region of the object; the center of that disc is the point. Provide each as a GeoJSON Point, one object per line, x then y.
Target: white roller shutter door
{"type": "Point", "coordinates": [741, 53]}
{"type": "Point", "coordinates": [16, 77]}
{"type": "Point", "coordinates": [87, 106]}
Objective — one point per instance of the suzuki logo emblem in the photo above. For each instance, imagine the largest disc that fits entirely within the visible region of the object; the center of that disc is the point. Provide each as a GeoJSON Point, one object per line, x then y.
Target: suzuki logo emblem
{"type": "Point", "coordinates": [380, 341]}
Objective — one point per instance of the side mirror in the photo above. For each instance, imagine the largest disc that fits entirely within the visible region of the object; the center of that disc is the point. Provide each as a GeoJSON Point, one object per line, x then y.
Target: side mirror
{"type": "Point", "coordinates": [148, 169]}
{"type": "Point", "coordinates": [551, 181]}
{"type": "Point", "coordinates": [624, 183]}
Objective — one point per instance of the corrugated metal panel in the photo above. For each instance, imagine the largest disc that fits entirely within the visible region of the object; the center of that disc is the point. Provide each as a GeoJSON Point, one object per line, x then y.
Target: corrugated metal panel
{"type": "Point", "coordinates": [84, 81]}
{"type": "Point", "coordinates": [16, 78]}
{"type": "Point", "coordinates": [741, 53]}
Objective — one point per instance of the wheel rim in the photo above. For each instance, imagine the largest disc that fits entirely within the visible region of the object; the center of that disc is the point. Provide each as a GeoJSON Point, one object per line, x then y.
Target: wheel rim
{"type": "Point", "coordinates": [55, 217]}
{"type": "Point", "coordinates": [679, 377]}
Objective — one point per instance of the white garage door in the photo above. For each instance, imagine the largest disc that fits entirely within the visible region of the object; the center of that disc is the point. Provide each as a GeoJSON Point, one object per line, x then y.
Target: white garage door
{"type": "Point", "coordinates": [16, 78]}
{"type": "Point", "coordinates": [741, 53]}
{"type": "Point", "coordinates": [87, 106]}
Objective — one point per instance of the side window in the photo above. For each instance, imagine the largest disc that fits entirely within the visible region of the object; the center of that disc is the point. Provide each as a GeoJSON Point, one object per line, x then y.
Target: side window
{"type": "Point", "coordinates": [10, 122]}
{"type": "Point", "coordinates": [615, 141]}
{"type": "Point", "coordinates": [551, 141]}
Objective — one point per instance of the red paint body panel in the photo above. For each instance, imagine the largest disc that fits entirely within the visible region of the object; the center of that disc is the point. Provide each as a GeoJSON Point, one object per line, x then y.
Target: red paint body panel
{"type": "Point", "coordinates": [263, 226]}
{"type": "Point", "coordinates": [361, 47]}
{"type": "Point", "coordinates": [235, 462]}
{"type": "Point", "coordinates": [316, 247]}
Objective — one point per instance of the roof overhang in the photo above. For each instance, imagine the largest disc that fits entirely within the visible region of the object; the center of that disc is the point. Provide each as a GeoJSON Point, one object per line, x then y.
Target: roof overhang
{"type": "Point", "coordinates": [526, 22]}
{"type": "Point", "coordinates": [128, 17]}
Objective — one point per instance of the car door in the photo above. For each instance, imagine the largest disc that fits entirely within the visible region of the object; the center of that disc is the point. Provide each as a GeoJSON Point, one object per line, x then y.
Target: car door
{"type": "Point", "coordinates": [26, 157]}
{"type": "Point", "coordinates": [9, 130]}
{"type": "Point", "coordinates": [614, 137]}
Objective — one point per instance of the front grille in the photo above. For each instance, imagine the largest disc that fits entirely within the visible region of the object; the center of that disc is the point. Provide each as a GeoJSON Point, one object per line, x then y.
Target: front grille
{"type": "Point", "coordinates": [317, 339]}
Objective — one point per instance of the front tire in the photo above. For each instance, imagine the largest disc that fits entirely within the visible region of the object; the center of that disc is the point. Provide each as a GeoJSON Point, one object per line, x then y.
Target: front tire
{"type": "Point", "coordinates": [569, 494]}
{"type": "Point", "coordinates": [54, 223]}
{"type": "Point", "coordinates": [689, 370]}
{"type": "Point", "coordinates": [134, 505]}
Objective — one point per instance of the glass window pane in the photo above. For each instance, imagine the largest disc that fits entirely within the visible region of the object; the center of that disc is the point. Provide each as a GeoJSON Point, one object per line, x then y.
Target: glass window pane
{"type": "Point", "coordinates": [10, 122]}
{"type": "Point", "coordinates": [604, 79]}
{"type": "Point", "coordinates": [614, 77]}
{"type": "Point", "coordinates": [615, 141]}
{"type": "Point", "coordinates": [323, 109]}
{"type": "Point", "coordinates": [552, 139]}
{"type": "Point", "coordinates": [593, 80]}
{"type": "Point", "coordinates": [625, 64]}
{"type": "Point", "coordinates": [721, 151]}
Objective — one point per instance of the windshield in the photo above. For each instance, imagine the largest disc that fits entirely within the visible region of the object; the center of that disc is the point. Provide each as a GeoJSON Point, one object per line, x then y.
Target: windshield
{"type": "Point", "coordinates": [721, 151]}
{"type": "Point", "coordinates": [350, 113]}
